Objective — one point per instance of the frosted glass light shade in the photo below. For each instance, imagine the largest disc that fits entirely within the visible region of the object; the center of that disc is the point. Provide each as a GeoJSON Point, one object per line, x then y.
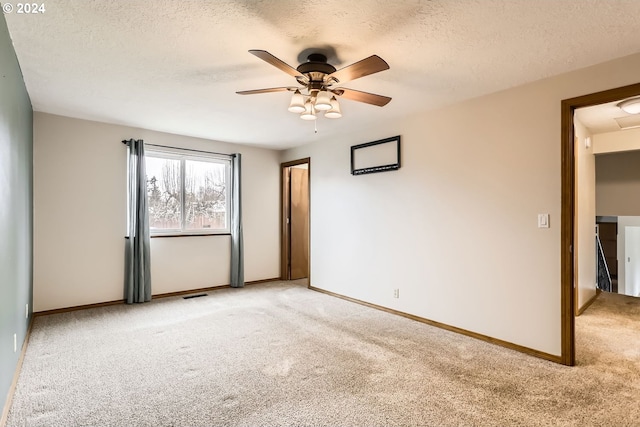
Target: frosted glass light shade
{"type": "Point", "coordinates": [334, 112]}
{"type": "Point", "coordinates": [297, 103]}
{"type": "Point", "coordinates": [631, 106]}
{"type": "Point", "coordinates": [309, 113]}
{"type": "Point", "coordinates": [323, 101]}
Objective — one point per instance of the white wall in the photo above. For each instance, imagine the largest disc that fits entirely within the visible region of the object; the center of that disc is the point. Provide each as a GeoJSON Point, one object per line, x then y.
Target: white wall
{"type": "Point", "coordinates": [623, 223]}
{"type": "Point", "coordinates": [80, 216]}
{"type": "Point", "coordinates": [456, 227]}
{"type": "Point", "coordinates": [585, 218]}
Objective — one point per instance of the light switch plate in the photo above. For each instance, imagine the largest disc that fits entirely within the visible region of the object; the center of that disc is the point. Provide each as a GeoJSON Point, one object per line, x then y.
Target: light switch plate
{"type": "Point", "coordinates": [543, 220]}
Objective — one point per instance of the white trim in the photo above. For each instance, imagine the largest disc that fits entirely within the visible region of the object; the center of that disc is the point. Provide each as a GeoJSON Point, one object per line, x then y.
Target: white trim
{"type": "Point", "coordinates": [184, 155]}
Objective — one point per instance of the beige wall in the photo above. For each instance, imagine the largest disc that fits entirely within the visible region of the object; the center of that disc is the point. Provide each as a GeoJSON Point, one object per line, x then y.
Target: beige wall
{"type": "Point", "coordinates": [618, 184]}
{"type": "Point", "coordinates": [622, 140]}
{"type": "Point", "coordinates": [585, 218]}
{"type": "Point", "coordinates": [455, 229]}
{"type": "Point", "coordinates": [80, 216]}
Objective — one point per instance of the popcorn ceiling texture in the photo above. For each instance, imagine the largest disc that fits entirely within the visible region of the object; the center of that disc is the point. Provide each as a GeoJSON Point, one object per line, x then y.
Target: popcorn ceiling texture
{"type": "Point", "coordinates": [174, 66]}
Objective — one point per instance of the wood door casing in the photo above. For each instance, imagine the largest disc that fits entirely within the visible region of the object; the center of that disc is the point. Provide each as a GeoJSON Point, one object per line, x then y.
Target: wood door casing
{"type": "Point", "coordinates": [567, 217]}
{"type": "Point", "coordinates": [299, 223]}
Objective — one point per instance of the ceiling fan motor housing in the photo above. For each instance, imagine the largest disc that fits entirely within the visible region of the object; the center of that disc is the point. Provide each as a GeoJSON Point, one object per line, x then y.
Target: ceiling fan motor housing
{"type": "Point", "coordinates": [316, 68]}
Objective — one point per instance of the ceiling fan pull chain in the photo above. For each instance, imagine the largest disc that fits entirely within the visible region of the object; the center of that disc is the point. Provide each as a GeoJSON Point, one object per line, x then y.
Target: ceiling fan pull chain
{"type": "Point", "coordinates": [315, 126]}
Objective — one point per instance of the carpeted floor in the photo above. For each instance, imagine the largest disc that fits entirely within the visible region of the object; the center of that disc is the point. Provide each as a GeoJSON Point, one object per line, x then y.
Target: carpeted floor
{"type": "Point", "coordinates": [281, 355]}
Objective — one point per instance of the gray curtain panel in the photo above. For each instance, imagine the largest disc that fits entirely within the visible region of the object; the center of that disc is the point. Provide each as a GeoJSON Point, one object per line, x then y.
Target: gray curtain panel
{"type": "Point", "coordinates": [137, 283]}
{"type": "Point", "coordinates": [237, 251]}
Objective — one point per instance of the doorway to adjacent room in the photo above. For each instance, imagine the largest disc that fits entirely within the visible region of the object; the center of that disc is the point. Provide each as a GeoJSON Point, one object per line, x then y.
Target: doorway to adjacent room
{"type": "Point", "coordinates": [568, 215]}
{"type": "Point", "coordinates": [295, 220]}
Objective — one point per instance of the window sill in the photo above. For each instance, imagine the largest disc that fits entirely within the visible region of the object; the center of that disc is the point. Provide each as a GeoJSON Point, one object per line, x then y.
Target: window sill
{"type": "Point", "coordinates": [186, 235]}
{"type": "Point", "coordinates": [155, 236]}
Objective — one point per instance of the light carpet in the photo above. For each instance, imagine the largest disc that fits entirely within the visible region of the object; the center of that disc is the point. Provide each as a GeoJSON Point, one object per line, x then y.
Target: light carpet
{"type": "Point", "coordinates": [281, 355]}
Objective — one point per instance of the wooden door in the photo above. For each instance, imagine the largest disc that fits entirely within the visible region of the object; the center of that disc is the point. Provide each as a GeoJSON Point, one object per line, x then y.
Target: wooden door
{"type": "Point", "coordinates": [299, 223]}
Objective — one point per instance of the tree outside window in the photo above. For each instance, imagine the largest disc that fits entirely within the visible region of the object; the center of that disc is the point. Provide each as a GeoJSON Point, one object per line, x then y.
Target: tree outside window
{"type": "Point", "coordinates": [187, 194]}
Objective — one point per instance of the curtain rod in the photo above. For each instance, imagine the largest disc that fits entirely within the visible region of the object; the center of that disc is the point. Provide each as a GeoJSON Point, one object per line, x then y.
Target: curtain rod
{"type": "Point", "coordinates": [125, 141]}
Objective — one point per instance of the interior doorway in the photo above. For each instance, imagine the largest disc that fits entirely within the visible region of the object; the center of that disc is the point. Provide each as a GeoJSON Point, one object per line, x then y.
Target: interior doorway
{"type": "Point", "coordinates": [295, 220]}
{"type": "Point", "coordinates": [568, 309]}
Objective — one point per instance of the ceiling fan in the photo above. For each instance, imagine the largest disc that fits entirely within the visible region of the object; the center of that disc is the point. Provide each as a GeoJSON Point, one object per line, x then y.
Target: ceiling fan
{"type": "Point", "coordinates": [319, 82]}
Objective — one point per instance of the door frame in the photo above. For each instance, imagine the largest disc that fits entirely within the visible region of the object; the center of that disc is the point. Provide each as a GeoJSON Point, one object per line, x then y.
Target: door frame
{"type": "Point", "coordinates": [567, 295]}
{"type": "Point", "coordinates": [285, 232]}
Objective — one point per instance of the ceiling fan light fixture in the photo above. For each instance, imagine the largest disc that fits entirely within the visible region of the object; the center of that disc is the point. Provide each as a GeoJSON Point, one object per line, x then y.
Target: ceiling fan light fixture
{"type": "Point", "coordinates": [323, 101]}
{"type": "Point", "coordinates": [297, 103]}
{"type": "Point", "coordinates": [631, 106]}
{"type": "Point", "coordinates": [309, 112]}
{"type": "Point", "coordinates": [334, 112]}
{"type": "Point", "coordinates": [318, 80]}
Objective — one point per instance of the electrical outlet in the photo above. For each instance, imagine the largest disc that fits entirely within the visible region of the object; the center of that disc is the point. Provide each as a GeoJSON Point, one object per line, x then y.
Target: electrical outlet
{"type": "Point", "coordinates": [396, 293]}
{"type": "Point", "coordinates": [15, 342]}
{"type": "Point", "coordinates": [26, 311]}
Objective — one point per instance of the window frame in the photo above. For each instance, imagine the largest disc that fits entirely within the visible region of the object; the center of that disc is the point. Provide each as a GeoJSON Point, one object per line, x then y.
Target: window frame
{"type": "Point", "coordinates": [184, 155]}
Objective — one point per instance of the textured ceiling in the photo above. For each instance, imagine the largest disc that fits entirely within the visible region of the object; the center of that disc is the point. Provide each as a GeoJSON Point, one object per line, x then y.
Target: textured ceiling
{"type": "Point", "coordinates": [174, 66]}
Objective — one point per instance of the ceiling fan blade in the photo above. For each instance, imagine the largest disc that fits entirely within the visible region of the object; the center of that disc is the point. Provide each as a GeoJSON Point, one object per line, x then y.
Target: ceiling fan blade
{"type": "Point", "coordinates": [370, 65]}
{"type": "Point", "coordinates": [366, 97]}
{"type": "Point", "coordinates": [278, 63]}
{"type": "Point", "coordinates": [271, 89]}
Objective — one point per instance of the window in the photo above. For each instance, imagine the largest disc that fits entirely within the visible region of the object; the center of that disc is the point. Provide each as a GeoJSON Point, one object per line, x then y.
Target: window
{"type": "Point", "coordinates": [187, 192]}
